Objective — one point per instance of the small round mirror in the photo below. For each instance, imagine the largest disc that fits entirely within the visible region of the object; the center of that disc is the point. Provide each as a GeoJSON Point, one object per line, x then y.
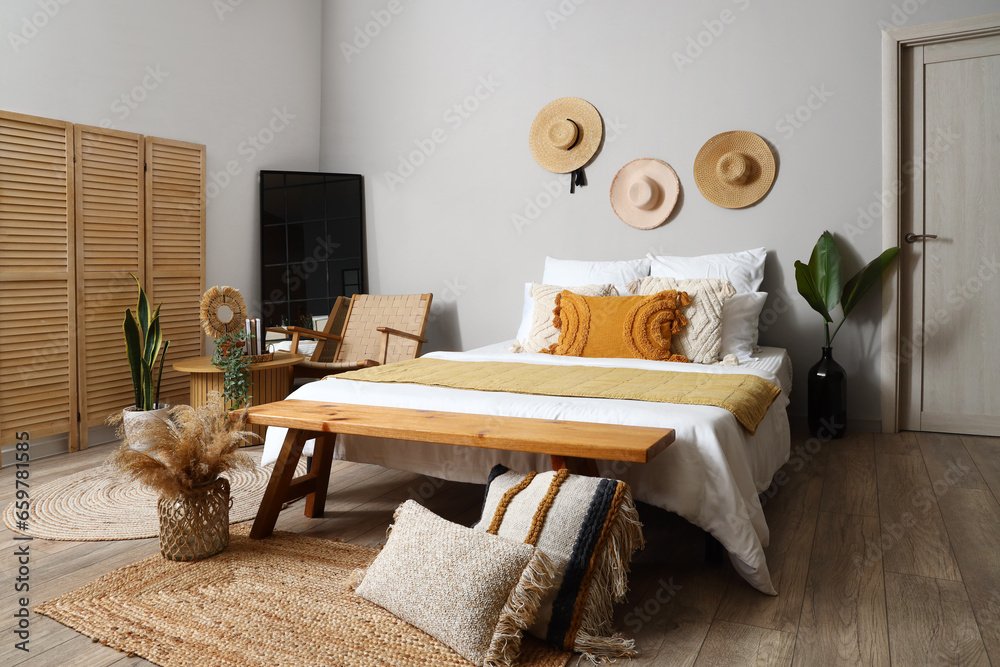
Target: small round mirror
{"type": "Point", "coordinates": [224, 313]}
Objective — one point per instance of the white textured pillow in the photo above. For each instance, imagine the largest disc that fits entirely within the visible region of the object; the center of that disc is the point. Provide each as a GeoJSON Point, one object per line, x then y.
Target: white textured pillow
{"type": "Point", "coordinates": [740, 315]}
{"type": "Point", "coordinates": [578, 272]}
{"type": "Point", "coordinates": [527, 309]}
{"type": "Point", "coordinates": [701, 340]}
{"type": "Point", "coordinates": [471, 590]}
{"type": "Point", "coordinates": [542, 334]}
{"type": "Point", "coordinates": [745, 270]}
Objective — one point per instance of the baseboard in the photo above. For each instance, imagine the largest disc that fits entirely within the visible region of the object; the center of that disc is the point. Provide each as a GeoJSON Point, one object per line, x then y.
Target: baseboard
{"type": "Point", "coordinates": [54, 445]}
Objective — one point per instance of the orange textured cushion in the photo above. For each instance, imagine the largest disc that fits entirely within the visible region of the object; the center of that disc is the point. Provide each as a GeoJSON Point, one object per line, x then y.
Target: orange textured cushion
{"type": "Point", "coordinates": [629, 327]}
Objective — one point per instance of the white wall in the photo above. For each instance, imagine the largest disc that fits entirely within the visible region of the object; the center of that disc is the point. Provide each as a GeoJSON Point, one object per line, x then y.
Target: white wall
{"type": "Point", "coordinates": [225, 74]}
{"type": "Point", "coordinates": [450, 226]}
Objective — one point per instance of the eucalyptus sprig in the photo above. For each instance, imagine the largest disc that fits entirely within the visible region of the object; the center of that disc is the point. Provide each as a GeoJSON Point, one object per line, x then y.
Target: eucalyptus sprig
{"type": "Point", "coordinates": [231, 357]}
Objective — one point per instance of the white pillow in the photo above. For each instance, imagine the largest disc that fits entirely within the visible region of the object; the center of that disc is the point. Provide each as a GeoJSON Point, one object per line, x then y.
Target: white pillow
{"type": "Point", "coordinates": [526, 312]}
{"type": "Point", "coordinates": [745, 270]}
{"type": "Point", "coordinates": [740, 315]}
{"type": "Point", "coordinates": [567, 272]}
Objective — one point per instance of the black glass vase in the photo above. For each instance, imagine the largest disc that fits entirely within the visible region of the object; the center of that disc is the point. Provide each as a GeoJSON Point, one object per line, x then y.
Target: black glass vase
{"type": "Point", "coordinates": [827, 398]}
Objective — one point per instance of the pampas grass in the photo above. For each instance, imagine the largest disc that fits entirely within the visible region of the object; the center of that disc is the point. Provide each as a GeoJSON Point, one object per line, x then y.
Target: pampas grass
{"type": "Point", "coordinates": [190, 449]}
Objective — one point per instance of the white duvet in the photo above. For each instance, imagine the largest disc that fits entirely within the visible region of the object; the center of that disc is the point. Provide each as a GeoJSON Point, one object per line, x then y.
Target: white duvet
{"type": "Point", "coordinates": [710, 475]}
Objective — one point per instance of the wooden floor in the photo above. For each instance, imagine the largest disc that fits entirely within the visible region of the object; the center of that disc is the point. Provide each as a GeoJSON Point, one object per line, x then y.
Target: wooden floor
{"type": "Point", "coordinates": [884, 549]}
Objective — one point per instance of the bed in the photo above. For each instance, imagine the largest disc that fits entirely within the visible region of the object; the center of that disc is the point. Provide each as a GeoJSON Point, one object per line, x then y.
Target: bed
{"type": "Point", "coordinates": [711, 475]}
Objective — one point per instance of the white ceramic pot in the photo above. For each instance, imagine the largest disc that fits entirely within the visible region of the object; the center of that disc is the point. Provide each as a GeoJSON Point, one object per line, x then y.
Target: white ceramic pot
{"type": "Point", "coordinates": [133, 417]}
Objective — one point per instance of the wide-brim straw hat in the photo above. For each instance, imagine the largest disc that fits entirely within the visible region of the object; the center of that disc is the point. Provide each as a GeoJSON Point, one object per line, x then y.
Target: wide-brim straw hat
{"type": "Point", "coordinates": [734, 169]}
{"type": "Point", "coordinates": [644, 192]}
{"type": "Point", "coordinates": [565, 134]}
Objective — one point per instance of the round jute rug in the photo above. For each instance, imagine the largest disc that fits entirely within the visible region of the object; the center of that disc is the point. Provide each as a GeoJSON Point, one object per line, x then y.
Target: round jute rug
{"type": "Point", "coordinates": [95, 505]}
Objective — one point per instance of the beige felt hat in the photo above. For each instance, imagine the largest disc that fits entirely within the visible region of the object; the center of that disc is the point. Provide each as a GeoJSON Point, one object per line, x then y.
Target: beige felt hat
{"type": "Point", "coordinates": [565, 134]}
{"type": "Point", "coordinates": [644, 192]}
{"type": "Point", "coordinates": [734, 169]}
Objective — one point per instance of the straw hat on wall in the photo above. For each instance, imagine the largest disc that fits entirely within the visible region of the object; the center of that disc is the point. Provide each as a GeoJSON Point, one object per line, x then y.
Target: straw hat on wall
{"type": "Point", "coordinates": [565, 136]}
{"type": "Point", "coordinates": [734, 169]}
{"type": "Point", "coordinates": [644, 192]}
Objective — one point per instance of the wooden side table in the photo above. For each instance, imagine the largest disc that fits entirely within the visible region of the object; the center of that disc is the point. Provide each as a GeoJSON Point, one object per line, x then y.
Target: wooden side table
{"type": "Point", "coordinates": [269, 380]}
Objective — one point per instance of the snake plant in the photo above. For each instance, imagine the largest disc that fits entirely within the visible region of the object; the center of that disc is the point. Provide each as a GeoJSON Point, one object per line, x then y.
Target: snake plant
{"type": "Point", "coordinates": [144, 344]}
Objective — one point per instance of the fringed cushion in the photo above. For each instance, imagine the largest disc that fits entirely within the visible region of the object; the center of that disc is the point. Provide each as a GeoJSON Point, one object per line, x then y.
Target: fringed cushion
{"type": "Point", "coordinates": [472, 591]}
{"type": "Point", "coordinates": [630, 327]}
{"type": "Point", "coordinates": [589, 529]}
{"type": "Point", "coordinates": [701, 340]}
{"type": "Point", "coordinates": [542, 334]}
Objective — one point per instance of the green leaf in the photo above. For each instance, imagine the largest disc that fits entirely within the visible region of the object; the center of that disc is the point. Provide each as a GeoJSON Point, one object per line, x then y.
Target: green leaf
{"type": "Point", "coordinates": [824, 266]}
{"type": "Point", "coordinates": [154, 337]}
{"type": "Point", "coordinates": [147, 384]}
{"type": "Point", "coordinates": [863, 280]}
{"type": "Point", "coordinates": [132, 345]}
{"type": "Point", "coordinates": [142, 307]}
{"type": "Point", "coordinates": [807, 288]}
{"type": "Point", "coordinates": [159, 375]}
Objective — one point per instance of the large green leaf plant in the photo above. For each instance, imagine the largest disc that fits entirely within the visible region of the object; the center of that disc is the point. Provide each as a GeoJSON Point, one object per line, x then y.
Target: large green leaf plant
{"type": "Point", "coordinates": [144, 344]}
{"type": "Point", "coordinates": [819, 281]}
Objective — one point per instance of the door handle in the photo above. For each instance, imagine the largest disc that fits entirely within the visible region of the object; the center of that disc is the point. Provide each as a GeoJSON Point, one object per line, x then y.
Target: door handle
{"type": "Point", "coordinates": [913, 238]}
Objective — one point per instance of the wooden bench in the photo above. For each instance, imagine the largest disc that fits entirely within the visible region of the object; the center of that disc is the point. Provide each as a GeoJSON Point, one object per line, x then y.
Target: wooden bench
{"type": "Point", "coordinates": [563, 441]}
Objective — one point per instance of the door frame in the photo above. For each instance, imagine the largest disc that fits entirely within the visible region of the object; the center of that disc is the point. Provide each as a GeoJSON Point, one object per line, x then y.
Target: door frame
{"type": "Point", "coordinates": [893, 44]}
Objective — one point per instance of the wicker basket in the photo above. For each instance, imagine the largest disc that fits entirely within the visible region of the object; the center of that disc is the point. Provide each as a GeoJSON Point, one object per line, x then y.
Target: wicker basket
{"type": "Point", "coordinates": [261, 358]}
{"type": "Point", "coordinates": [195, 525]}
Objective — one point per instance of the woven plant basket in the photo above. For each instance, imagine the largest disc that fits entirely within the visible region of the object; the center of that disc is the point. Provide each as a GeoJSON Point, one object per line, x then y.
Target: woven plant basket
{"type": "Point", "coordinates": [195, 525]}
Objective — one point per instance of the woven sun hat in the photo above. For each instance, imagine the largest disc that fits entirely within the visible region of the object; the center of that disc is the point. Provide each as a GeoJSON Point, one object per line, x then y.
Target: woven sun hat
{"type": "Point", "coordinates": [644, 192]}
{"type": "Point", "coordinates": [734, 169]}
{"type": "Point", "coordinates": [565, 134]}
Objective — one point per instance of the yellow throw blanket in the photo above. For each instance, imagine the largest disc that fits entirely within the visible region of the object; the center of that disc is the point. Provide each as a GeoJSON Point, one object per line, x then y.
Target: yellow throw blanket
{"type": "Point", "coordinates": [746, 396]}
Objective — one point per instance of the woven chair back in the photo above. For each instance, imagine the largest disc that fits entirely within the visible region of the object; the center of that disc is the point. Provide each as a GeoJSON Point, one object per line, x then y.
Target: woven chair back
{"type": "Point", "coordinates": [406, 312]}
{"type": "Point", "coordinates": [326, 351]}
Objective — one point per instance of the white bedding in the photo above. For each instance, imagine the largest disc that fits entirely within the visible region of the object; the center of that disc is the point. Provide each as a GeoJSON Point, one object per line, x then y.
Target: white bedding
{"type": "Point", "coordinates": [710, 475]}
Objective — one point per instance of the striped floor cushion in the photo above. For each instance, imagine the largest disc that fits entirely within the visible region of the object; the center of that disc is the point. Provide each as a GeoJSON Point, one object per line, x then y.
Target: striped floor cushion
{"type": "Point", "coordinates": [589, 528]}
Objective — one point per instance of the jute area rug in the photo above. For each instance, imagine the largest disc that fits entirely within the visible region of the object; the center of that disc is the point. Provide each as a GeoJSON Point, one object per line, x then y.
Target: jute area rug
{"type": "Point", "coordinates": [279, 601]}
{"type": "Point", "coordinates": [95, 505]}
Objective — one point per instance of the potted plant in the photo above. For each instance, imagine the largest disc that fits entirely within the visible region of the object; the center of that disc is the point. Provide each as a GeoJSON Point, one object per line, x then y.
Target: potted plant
{"type": "Point", "coordinates": [144, 346]}
{"type": "Point", "coordinates": [183, 460]}
{"type": "Point", "coordinates": [819, 283]}
{"type": "Point", "coordinates": [231, 357]}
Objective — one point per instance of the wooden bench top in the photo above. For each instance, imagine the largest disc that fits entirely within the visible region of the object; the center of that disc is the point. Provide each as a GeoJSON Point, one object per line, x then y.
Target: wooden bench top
{"type": "Point", "coordinates": [611, 442]}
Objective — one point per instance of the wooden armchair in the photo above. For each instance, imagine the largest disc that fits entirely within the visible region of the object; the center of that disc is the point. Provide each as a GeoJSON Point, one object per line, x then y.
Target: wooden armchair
{"type": "Point", "coordinates": [376, 329]}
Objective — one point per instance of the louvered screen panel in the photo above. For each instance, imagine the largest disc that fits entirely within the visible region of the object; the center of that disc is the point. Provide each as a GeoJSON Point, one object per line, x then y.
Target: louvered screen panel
{"type": "Point", "coordinates": [37, 264]}
{"type": "Point", "coordinates": [110, 241]}
{"type": "Point", "coordinates": [175, 250]}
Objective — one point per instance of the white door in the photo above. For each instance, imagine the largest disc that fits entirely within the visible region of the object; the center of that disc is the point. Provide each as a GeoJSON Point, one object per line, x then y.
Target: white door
{"type": "Point", "coordinates": [950, 316]}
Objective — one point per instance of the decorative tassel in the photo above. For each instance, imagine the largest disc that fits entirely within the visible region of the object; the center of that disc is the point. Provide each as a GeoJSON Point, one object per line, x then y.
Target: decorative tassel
{"type": "Point", "coordinates": [578, 177]}
{"type": "Point", "coordinates": [520, 611]}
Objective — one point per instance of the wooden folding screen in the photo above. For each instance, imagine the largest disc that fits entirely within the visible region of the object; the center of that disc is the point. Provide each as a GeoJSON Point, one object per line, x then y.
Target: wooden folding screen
{"type": "Point", "coordinates": [109, 245]}
{"type": "Point", "coordinates": [175, 251]}
{"type": "Point", "coordinates": [69, 237]}
{"type": "Point", "coordinates": [37, 277]}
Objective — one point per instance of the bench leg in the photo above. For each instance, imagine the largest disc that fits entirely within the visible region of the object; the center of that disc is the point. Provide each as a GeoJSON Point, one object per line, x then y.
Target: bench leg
{"type": "Point", "coordinates": [322, 460]}
{"type": "Point", "coordinates": [277, 486]}
{"type": "Point", "coordinates": [580, 466]}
